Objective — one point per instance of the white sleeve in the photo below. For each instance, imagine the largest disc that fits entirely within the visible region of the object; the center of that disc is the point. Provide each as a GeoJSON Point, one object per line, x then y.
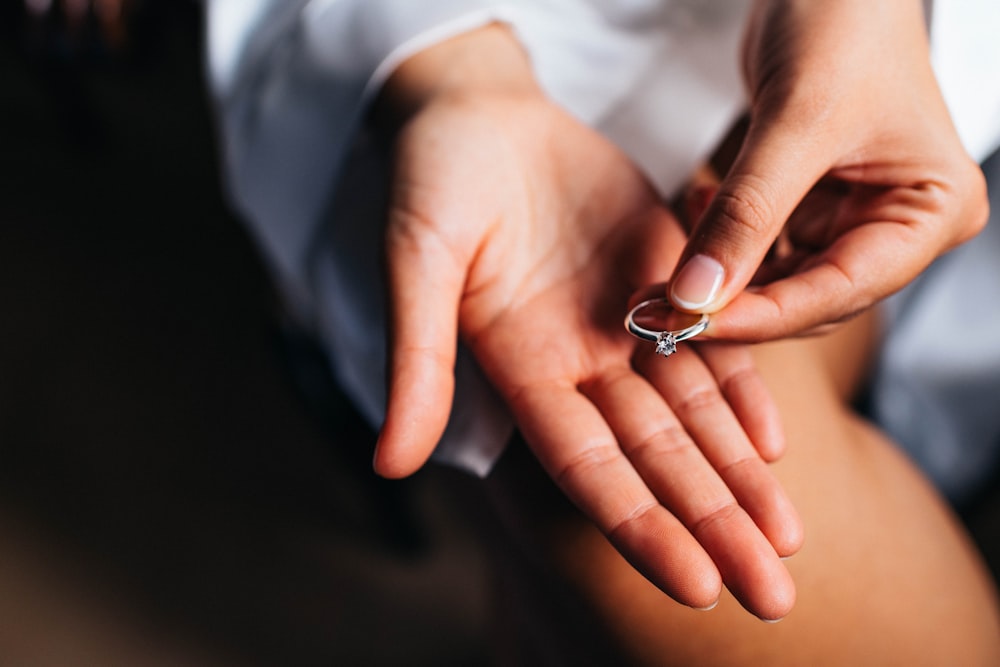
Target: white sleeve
{"type": "Point", "coordinates": [965, 52]}
{"type": "Point", "coordinates": [937, 396]}
{"type": "Point", "coordinates": [291, 79]}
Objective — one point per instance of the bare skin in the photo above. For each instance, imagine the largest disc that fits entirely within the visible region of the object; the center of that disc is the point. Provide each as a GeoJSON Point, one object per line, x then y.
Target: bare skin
{"type": "Point", "coordinates": [886, 575]}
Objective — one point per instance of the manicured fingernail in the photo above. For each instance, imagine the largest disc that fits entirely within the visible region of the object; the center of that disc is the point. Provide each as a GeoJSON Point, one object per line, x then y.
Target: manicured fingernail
{"type": "Point", "coordinates": [698, 283]}
{"type": "Point", "coordinates": [709, 607]}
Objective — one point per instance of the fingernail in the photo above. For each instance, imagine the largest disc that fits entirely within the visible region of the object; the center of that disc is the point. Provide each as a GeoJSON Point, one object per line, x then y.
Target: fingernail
{"type": "Point", "coordinates": [709, 607]}
{"type": "Point", "coordinates": [698, 283]}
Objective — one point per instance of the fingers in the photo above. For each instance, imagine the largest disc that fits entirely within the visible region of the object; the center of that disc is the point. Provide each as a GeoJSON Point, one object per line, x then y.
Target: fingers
{"type": "Point", "coordinates": [424, 290]}
{"type": "Point", "coordinates": [692, 391]}
{"type": "Point", "coordinates": [719, 489]}
{"type": "Point", "coordinates": [742, 387]}
{"type": "Point", "coordinates": [865, 265]}
{"type": "Point", "coordinates": [849, 242]}
{"type": "Point", "coordinates": [575, 445]}
{"type": "Point", "coordinates": [747, 396]}
{"type": "Point", "coordinates": [775, 169]}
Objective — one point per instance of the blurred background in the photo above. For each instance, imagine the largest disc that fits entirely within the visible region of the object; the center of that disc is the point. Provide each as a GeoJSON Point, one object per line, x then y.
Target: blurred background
{"type": "Point", "coordinates": [168, 496]}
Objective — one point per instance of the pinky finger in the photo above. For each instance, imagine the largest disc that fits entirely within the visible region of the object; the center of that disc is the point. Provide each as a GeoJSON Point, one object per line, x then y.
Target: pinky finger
{"type": "Point", "coordinates": [747, 395]}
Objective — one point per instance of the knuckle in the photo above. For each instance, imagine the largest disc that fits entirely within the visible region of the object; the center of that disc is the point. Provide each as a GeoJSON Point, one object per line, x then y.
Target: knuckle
{"type": "Point", "coordinates": [634, 516]}
{"type": "Point", "coordinates": [664, 441]}
{"type": "Point", "coordinates": [732, 468]}
{"type": "Point", "coordinates": [741, 378]}
{"type": "Point", "coordinates": [979, 205]}
{"type": "Point", "coordinates": [962, 203]}
{"type": "Point", "coordinates": [719, 517]}
{"type": "Point", "coordinates": [699, 399]}
{"type": "Point", "coordinates": [744, 210]}
{"type": "Point", "coordinates": [584, 464]}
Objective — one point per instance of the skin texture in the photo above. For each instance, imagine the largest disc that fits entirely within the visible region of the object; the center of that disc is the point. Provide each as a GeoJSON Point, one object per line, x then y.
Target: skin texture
{"type": "Point", "coordinates": [886, 577]}
{"type": "Point", "coordinates": [850, 162]}
{"type": "Point", "coordinates": [525, 233]}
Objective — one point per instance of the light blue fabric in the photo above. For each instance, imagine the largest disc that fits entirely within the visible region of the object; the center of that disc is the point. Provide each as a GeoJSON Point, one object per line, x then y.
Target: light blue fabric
{"type": "Point", "coordinates": [937, 385]}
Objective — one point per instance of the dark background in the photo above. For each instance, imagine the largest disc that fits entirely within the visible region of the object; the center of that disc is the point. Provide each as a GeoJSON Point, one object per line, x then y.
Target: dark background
{"type": "Point", "coordinates": [167, 496]}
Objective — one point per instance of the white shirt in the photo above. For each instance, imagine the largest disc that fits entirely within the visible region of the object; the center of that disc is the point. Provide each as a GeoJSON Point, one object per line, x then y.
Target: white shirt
{"type": "Point", "coordinates": [660, 78]}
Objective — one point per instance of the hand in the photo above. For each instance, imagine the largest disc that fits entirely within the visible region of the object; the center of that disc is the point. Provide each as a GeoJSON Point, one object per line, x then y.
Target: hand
{"type": "Point", "coordinates": [525, 232]}
{"type": "Point", "coordinates": [851, 163]}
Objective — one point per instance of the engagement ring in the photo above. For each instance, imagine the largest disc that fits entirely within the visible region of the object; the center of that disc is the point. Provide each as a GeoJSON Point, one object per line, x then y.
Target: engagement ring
{"type": "Point", "coordinates": [666, 340]}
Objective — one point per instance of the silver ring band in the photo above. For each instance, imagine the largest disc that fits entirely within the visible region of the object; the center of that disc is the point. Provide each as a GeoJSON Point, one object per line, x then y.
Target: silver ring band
{"type": "Point", "coordinates": [666, 341]}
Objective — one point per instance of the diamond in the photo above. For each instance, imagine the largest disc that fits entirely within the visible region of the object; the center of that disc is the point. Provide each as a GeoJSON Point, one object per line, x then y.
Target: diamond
{"type": "Point", "coordinates": [666, 344]}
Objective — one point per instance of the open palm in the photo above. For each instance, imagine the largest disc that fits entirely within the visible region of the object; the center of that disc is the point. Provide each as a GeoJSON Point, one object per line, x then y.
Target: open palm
{"type": "Point", "coordinates": [524, 233]}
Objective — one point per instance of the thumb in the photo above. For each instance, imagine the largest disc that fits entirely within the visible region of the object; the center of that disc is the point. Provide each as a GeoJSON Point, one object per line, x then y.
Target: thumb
{"type": "Point", "coordinates": [425, 286]}
{"type": "Point", "coordinates": [774, 170]}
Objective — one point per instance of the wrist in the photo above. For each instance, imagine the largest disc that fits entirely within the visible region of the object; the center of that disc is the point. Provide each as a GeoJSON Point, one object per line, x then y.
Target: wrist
{"type": "Point", "coordinates": [485, 61]}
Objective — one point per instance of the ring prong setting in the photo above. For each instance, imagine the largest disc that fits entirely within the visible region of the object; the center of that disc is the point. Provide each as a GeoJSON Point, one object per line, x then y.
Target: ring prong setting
{"type": "Point", "coordinates": [666, 344]}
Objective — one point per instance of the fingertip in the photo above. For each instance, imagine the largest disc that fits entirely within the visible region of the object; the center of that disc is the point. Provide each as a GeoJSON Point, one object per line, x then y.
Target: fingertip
{"type": "Point", "coordinates": [775, 516]}
{"type": "Point", "coordinates": [759, 414]}
{"type": "Point", "coordinates": [789, 538]}
{"type": "Point", "coordinates": [746, 214]}
{"type": "Point", "coordinates": [749, 397]}
{"type": "Point", "coordinates": [780, 606]}
{"type": "Point", "coordinates": [400, 455]}
{"type": "Point", "coordinates": [701, 586]}
{"type": "Point", "coordinates": [752, 570]}
{"type": "Point", "coordinates": [778, 598]}
{"type": "Point", "coordinates": [703, 593]}
{"type": "Point", "coordinates": [709, 607]}
{"type": "Point", "coordinates": [417, 413]}
{"type": "Point", "coordinates": [768, 439]}
{"type": "Point", "coordinates": [663, 551]}
{"type": "Point", "coordinates": [696, 286]}
{"type": "Point", "coordinates": [387, 463]}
